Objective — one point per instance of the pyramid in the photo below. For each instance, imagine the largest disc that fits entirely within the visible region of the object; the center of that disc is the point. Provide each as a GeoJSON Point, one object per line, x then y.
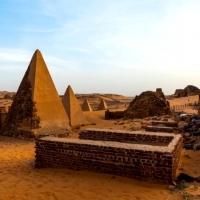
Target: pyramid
{"type": "Point", "coordinates": [102, 105]}
{"type": "Point", "coordinates": [86, 106]}
{"type": "Point", "coordinates": [37, 109]}
{"type": "Point", "coordinates": [73, 108]}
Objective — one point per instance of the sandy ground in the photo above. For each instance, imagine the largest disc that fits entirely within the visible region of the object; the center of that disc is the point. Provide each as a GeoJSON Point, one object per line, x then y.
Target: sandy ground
{"type": "Point", "coordinates": [20, 180]}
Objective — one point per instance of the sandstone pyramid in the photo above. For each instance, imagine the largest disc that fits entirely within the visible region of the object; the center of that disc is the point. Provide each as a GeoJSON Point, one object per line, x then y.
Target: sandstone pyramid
{"type": "Point", "coordinates": [37, 109]}
{"type": "Point", "coordinates": [102, 105]}
{"type": "Point", "coordinates": [86, 106]}
{"type": "Point", "coordinates": [73, 108]}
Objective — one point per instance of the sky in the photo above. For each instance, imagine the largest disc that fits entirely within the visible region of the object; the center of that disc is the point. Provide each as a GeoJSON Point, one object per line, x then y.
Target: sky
{"type": "Point", "coordinates": [103, 46]}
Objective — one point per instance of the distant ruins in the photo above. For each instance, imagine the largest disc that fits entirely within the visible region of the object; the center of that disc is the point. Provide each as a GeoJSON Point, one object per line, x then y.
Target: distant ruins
{"type": "Point", "coordinates": [190, 90]}
{"type": "Point", "coordinates": [73, 108]}
{"type": "Point", "coordinates": [102, 105]}
{"type": "Point", "coordinates": [86, 106]}
{"type": "Point", "coordinates": [37, 109]}
{"type": "Point", "coordinates": [148, 104]}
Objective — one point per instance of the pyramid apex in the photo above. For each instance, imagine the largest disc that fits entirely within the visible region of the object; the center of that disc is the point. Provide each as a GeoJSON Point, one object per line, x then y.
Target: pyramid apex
{"type": "Point", "coordinates": [69, 87]}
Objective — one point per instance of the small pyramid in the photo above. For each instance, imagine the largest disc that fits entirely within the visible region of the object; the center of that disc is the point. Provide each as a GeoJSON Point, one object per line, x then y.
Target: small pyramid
{"type": "Point", "coordinates": [102, 105]}
{"type": "Point", "coordinates": [73, 108]}
{"type": "Point", "coordinates": [37, 109]}
{"type": "Point", "coordinates": [86, 106]}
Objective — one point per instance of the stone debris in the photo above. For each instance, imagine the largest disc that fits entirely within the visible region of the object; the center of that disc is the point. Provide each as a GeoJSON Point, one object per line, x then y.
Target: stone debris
{"type": "Point", "coordinates": [191, 133]}
{"type": "Point", "coordinates": [148, 104]}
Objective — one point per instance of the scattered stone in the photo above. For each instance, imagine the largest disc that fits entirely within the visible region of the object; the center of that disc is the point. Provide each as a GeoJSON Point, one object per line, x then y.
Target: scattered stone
{"type": "Point", "coordinates": [197, 179]}
{"type": "Point", "coordinates": [171, 188]}
{"type": "Point", "coordinates": [185, 177]}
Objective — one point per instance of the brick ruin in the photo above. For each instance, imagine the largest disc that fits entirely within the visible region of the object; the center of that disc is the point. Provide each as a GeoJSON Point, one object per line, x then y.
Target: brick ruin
{"type": "Point", "coordinates": [115, 152]}
{"type": "Point", "coordinates": [159, 129]}
{"type": "Point", "coordinates": [162, 126]}
{"type": "Point", "coordinates": [148, 104]}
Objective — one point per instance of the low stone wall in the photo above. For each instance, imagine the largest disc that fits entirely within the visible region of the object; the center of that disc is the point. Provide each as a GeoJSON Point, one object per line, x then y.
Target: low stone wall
{"type": "Point", "coordinates": [114, 114]}
{"type": "Point", "coordinates": [159, 129]}
{"type": "Point", "coordinates": [139, 137]}
{"type": "Point", "coordinates": [142, 162]}
{"type": "Point", "coordinates": [168, 124]}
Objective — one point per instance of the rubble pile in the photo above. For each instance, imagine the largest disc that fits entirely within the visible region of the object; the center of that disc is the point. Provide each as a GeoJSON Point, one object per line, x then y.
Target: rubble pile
{"type": "Point", "coordinates": [148, 104]}
{"type": "Point", "coordinates": [191, 133]}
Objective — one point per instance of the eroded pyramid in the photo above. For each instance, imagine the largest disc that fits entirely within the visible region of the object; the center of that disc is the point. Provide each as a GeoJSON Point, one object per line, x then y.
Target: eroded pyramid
{"type": "Point", "coordinates": [37, 109]}
{"type": "Point", "coordinates": [86, 106]}
{"type": "Point", "coordinates": [73, 108]}
{"type": "Point", "coordinates": [102, 105]}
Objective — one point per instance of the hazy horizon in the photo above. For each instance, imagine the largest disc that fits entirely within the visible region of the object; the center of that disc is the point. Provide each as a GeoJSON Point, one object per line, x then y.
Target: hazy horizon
{"type": "Point", "coordinates": [119, 47]}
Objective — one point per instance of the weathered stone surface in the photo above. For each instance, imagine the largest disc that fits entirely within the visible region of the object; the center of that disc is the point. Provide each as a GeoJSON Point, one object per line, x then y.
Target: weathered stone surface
{"type": "Point", "coordinates": [86, 106]}
{"type": "Point", "coordinates": [165, 123]}
{"type": "Point", "coordinates": [134, 137]}
{"type": "Point", "coordinates": [102, 105]}
{"type": "Point", "coordinates": [142, 162]}
{"type": "Point", "coordinates": [73, 109]}
{"type": "Point", "coordinates": [159, 129]}
{"type": "Point", "coordinates": [148, 104]}
{"type": "Point", "coordinates": [37, 109]}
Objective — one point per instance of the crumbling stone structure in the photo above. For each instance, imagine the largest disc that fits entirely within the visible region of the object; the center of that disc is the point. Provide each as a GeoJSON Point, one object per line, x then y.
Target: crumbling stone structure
{"type": "Point", "coordinates": [148, 104]}
{"type": "Point", "coordinates": [123, 158]}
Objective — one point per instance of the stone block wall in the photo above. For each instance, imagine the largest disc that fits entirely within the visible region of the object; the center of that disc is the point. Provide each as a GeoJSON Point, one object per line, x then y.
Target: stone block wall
{"type": "Point", "coordinates": [159, 129]}
{"type": "Point", "coordinates": [142, 162]}
{"type": "Point", "coordinates": [168, 124]}
{"type": "Point", "coordinates": [138, 137]}
{"type": "Point", "coordinates": [114, 114]}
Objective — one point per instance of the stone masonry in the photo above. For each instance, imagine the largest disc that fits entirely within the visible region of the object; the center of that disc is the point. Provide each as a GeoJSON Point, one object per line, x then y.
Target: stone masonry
{"type": "Point", "coordinates": [159, 129]}
{"type": "Point", "coordinates": [135, 137]}
{"type": "Point", "coordinates": [139, 161]}
{"type": "Point", "coordinates": [168, 124]}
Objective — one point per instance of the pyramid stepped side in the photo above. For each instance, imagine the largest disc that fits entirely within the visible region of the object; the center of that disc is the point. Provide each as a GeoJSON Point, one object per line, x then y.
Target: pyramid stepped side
{"type": "Point", "coordinates": [36, 110]}
{"type": "Point", "coordinates": [73, 108]}
{"type": "Point", "coordinates": [21, 109]}
{"type": "Point", "coordinates": [102, 105]}
{"type": "Point", "coordinates": [86, 106]}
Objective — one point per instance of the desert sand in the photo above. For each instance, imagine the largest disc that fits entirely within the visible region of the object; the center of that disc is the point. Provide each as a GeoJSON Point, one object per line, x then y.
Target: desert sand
{"type": "Point", "coordinates": [20, 180]}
